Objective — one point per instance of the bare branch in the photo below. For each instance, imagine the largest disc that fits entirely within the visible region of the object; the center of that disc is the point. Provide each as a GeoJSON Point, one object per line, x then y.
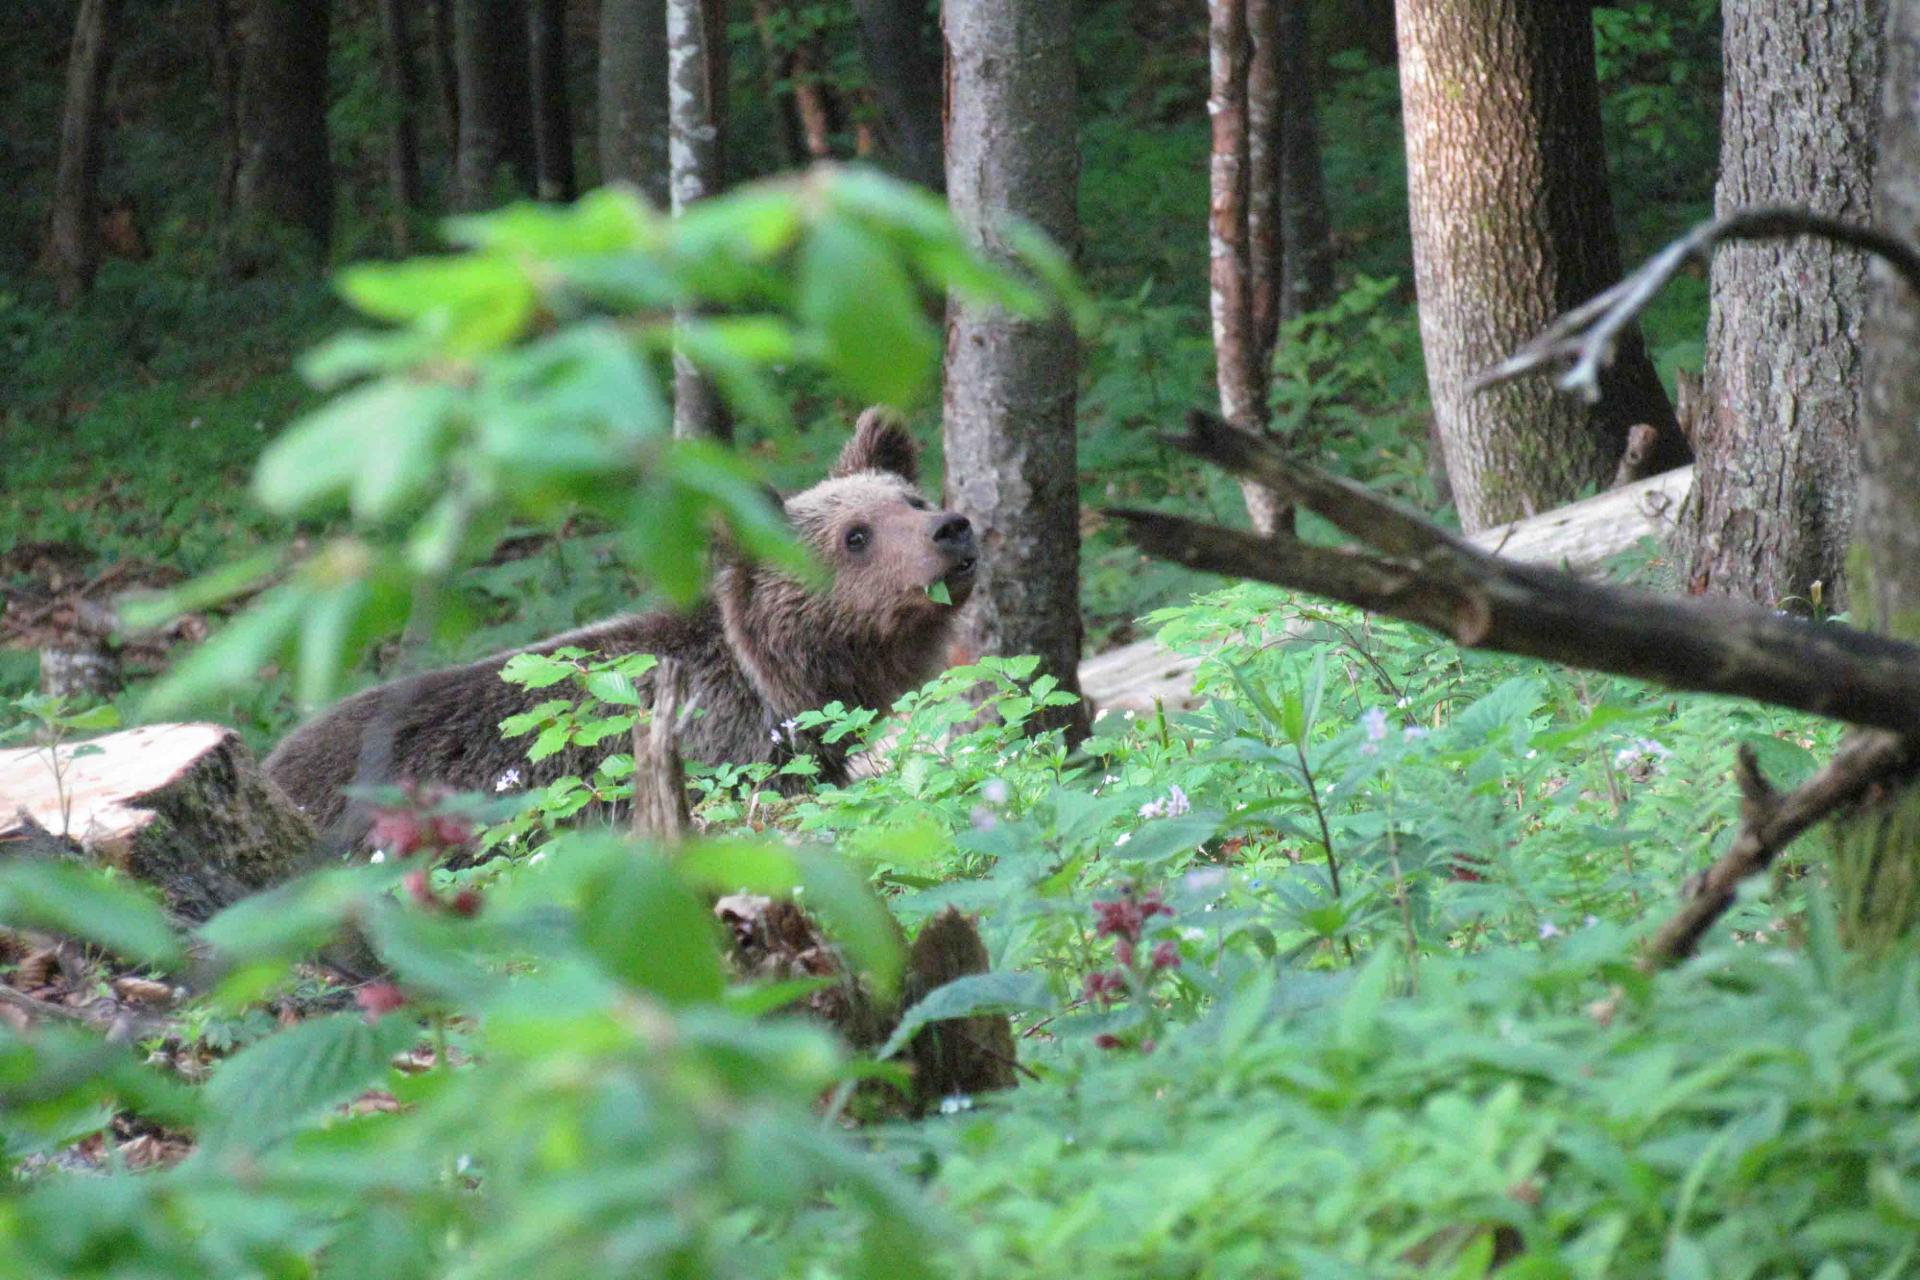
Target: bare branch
{"type": "Point", "coordinates": [1422, 573]}
{"type": "Point", "coordinates": [1584, 338]}
{"type": "Point", "coordinates": [1769, 822]}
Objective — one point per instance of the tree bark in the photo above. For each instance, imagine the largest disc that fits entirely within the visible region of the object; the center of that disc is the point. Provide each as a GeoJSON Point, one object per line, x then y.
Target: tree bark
{"type": "Point", "coordinates": [224, 59]}
{"type": "Point", "coordinates": [897, 44]}
{"type": "Point", "coordinates": [633, 96]}
{"type": "Point", "coordinates": [1306, 231]}
{"type": "Point", "coordinates": [1513, 224]}
{"type": "Point", "coordinates": [696, 146]}
{"type": "Point", "coordinates": [285, 173]}
{"type": "Point", "coordinates": [1010, 381]}
{"type": "Point", "coordinates": [1773, 507]}
{"type": "Point", "coordinates": [403, 92]}
{"type": "Point", "coordinates": [806, 113]}
{"type": "Point", "coordinates": [496, 102]}
{"type": "Point", "coordinates": [1876, 864]}
{"type": "Point", "coordinates": [552, 112]}
{"type": "Point", "coordinates": [73, 240]}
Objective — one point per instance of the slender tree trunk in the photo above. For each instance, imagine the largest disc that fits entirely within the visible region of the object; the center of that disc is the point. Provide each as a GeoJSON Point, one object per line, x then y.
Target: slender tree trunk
{"type": "Point", "coordinates": [1876, 864]}
{"type": "Point", "coordinates": [285, 173]}
{"type": "Point", "coordinates": [496, 102]}
{"type": "Point", "coordinates": [807, 114]}
{"type": "Point", "coordinates": [696, 146]}
{"type": "Point", "coordinates": [1306, 233]}
{"type": "Point", "coordinates": [73, 240]}
{"type": "Point", "coordinates": [223, 56]}
{"type": "Point", "coordinates": [897, 43]}
{"type": "Point", "coordinates": [1244, 215]}
{"type": "Point", "coordinates": [633, 95]}
{"type": "Point", "coordinates": [1010, 382]}
{"type": "Point", "coordinates": [552, 111]}
{"type": "Point", "coordinates": [446, 77]}
{"type": "Point", "coordinates": [403, 90]}
{"type": "Point", "coordinates": [1772, 506]}
{"type": "Point", "coordinates": [1513, 224]}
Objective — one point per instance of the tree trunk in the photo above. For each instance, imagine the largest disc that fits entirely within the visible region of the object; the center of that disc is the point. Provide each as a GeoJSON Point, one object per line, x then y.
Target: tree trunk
{"type": "Point", "coordinates": [1512, 224]}
{"type": "Point", "coordinates": [1306, 233]}
{"type": "Point", "coordinates": [696, 144]}
{"type": "Point", "coordinates": [73, 240]}
{"type": "Point", "coordinates": [445, 78]}
{"type": "Point", "coordinates": [633, 95]}
{"type": "Point", "coordinates": [496, 103]}
{"type": "Point", "coordinates": [285, 173]}
{"type": "Point", "coordinates": [807, 116]}
{"type": "Point", "coordinates": [897, 44]}
{"type": "Point", "coordinates": [553, 116]}
{"type": "Point", "coordinates": [1876, 864]}
{"type": "Point", "coordinates": [1773, 506]}
{"type": "Point", "coordinates": [1010, 382]}
{"type": "Point", "coordinates": [403, 91]}
{"type": "Point", "coordinates": [223, 56]}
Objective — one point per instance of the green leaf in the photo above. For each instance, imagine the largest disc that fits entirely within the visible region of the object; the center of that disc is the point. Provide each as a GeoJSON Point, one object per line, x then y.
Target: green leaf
{"type": "Point", "coordinates": [350, 445]}
{"type": "Point", "coordinates": [473, 303]}
{"type": "Point", "coordinates": [865, 315]}
{"type": "Point", "coordinates": [275, 1084]}
{"type": "Point", "coordinates": [965, 997]}
{"type": "Point", "coordinates": [65, 897]}
{"type": "Point", "coordinates": [615, 688]}
{"type": "Point", "coordinates": [643, 925]}
{"type": "Point", "coordinates": [938, 593]}
{"type": "Point", "coordinates": [846, 904]}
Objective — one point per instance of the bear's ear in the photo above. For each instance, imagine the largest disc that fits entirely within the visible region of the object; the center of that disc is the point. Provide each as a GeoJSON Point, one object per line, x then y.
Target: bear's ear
{"type": "Point", "coordinates": [880, 443]}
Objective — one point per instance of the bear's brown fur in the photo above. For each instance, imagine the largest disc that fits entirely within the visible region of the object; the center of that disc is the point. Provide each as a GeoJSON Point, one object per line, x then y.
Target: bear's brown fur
{"type": "Point", "coordinates": [762, 648]}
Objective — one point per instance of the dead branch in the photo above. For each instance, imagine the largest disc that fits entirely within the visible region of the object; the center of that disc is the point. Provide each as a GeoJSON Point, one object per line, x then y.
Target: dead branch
{"type": "Point", "coordinates": [1584, 338]}
{"type": "Point", "coordinates": [1769, 822]}
{"type": "Point", "coordinates": [1412, 569]}
{"type": "Point", "coordinates": [659, 778]}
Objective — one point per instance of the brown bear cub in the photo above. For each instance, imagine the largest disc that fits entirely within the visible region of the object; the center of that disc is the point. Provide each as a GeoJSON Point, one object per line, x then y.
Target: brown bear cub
{"type": "Point", "coordinates": [759, 650]}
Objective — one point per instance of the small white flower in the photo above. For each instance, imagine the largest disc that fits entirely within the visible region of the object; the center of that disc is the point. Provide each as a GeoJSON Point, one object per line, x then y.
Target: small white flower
{"type": "Point", "coordinates": [954, 1103]}
{"type": "Point", "coordinates": [1374, 720]}
{"type": "Point", "coordinates": [1548, 929]}
{"type": "Point", "coordinates": [507, 780]}
{"type": "Point", "coordinates": [537, 858]}
{"type": "Point", "coordinates": [379, 856]}
{"type": "Point", "coordinates": [1192, 934]}
{"type": "Point", "coordinates": [1591, 921]}
{"type": "Point", "coordinates": [1530, 755]}
{"type": "Point", "coordinates": [1122, 838]}
{"type": "Point", "coordinates": [1412, 733]}
{"type": "Point", "coordinates": [1403, 703]}
{"type": "Point", "coordinates": [995, 791]}
{"type": "Point", "coordinates": [983, 818]}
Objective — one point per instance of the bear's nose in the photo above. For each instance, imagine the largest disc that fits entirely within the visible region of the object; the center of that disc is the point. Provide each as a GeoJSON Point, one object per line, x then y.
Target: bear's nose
{"type": "Point", "coordinates": [954, 533]}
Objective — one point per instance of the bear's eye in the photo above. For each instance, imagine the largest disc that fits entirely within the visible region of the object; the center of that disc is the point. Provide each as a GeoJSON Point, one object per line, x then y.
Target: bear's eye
{"type": "Point", "coordinates": [858, 537]}
{"type": "Point", "coordinates": [917, 502]}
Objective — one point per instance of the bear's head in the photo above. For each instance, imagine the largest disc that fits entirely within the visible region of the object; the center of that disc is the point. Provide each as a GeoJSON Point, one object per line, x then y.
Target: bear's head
{"type": "Point", "coordinates": [899, 569]}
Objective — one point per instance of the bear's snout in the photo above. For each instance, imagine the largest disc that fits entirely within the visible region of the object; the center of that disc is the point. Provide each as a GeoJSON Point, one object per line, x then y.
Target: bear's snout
{"type": "Point", "coordinates": [953, 535]}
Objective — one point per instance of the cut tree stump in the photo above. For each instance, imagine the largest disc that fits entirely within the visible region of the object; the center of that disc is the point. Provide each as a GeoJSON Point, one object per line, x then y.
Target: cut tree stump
{"type": "Point", "coordinates": [183, 807]}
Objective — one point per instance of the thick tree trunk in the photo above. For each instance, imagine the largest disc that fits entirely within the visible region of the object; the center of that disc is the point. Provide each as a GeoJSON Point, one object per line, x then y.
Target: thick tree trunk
{"type": "Point", "coordinates": [403, 91]}
{"type": "Point", "coordinates": [496, 102]}
{"type": "Point", "coordinates": [696, 147]}
{"type": "Point", "coordinates": [553, 115]}
{"type": "Point", "coordinates": [1306, 233]}
{"type": "Point", "coordinates": [1512, 224]}
{"type": "Point", "coordinates": [1876, 865]}
{"type": "Point", "coordinates": [1775, 439]}
{"type": "Point", "coordinates": [903, 60]}
{"type": "Point", "coordinates": [73, 240]}
{"type": "Point", "coordinates": [633, 95]}
{"type": "Point", "coordinates": [285, 173]}
{"type": "Point", "coordinates": [1010, 382]}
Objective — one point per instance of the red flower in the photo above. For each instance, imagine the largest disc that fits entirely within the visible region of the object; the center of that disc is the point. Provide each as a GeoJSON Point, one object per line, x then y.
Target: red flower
{"type": "Point", "coordinates": [466, 903]}
{"type": "Point", "coordinates": [1105, 1041]}
{"type": "Point", "coordinates": [1167, 955]}
{"type": "Point", "coordinates": [398, 831]}
{"type": "Point", "coordinates": [377, 998]}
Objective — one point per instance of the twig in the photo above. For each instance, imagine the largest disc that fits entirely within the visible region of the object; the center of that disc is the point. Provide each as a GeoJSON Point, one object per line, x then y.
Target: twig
{"type": "Point", "coordinates": [1584, 338]}
{"type": "Point", "coordinates": [120, 1024]}
{"type": "Point", "coordinates": [1769, 822]}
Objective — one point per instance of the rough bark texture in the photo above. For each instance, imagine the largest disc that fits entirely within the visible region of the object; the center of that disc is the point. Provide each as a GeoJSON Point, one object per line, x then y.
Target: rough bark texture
{"type": "Point", "coordinates": [1512, 225]}
{"type": "Point", "coordinates": [552, 113]}
{"type": "Point", "coordinates": [73, 241]}
{"type": "Point", "coordinates": [1010, 382]}
{"type": "Point", "coordinates": [696, 147]}
{"type": "Point", "coordinates": [1306, 234]}
{"type": "Point", "coordinates": [1876, 866]}
{"type": "Point", "coordinates": [183, 807]}
{"type": "Point", "coordinates": [223, 59]}
{"type": "Point", "coordinates": [496, 102]}
{"type": "Point", "coordinates": [659, 776]}
{"type": "Point", "coordinates": [903, 59]}
{"type": "Point", "coordinates": [285, 174]}
{"type": "Point", "coordinates": [793, 69]}
{"type": "Point", "coordinates": [403, 91]}
{"type": "Point", "coordinates": [445, 78]}
{"type": "Point", "coordinates": [633, 95]}
{"type": "Point", "coordinates": [1776, 431]}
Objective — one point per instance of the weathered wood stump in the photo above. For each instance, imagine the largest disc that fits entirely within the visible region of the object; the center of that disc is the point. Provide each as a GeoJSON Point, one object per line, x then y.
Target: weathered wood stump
{"type": "Point", "coordinates": [183, 807]}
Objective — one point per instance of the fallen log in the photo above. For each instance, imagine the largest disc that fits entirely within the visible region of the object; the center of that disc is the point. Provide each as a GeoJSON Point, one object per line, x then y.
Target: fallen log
{"type": "Point", "coordinates": [183, 807]}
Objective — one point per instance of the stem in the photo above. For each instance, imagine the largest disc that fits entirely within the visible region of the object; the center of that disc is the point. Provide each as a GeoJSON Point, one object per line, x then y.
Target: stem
{"type": "Point", "coordinates": [1326, 837]}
